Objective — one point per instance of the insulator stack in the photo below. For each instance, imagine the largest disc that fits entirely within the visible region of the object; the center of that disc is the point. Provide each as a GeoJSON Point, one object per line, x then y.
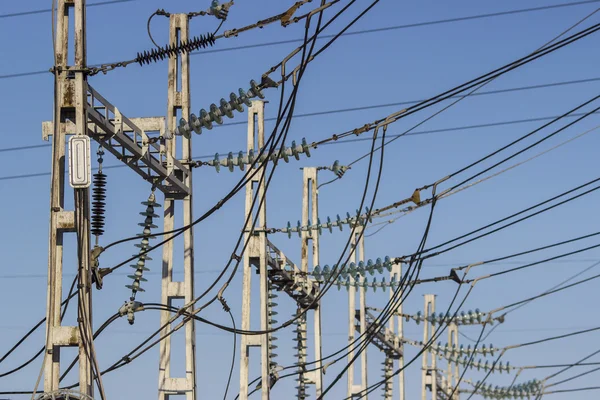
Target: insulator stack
{"type": "Point", "coordinates": [353, 269]}
{"type": "Point", "coordinates": [99, 198]}
{"type": "Point", "coordinates": [300, 348]}
{"type": "Point", "coordinates": [479, 365]}
{"type": "Point", "coordinates": [338, 169]}
{"type": "Point", "coordinates": [224, 109]}
{"type": "Point", "coordinates": [98, 204]}
{"type": "Point", "coordinates": [271, 338]}
{"type": "Point", "coordinates": [454, 351]}
{"type": "Point", "coordinates": [140, 266]}
{"type": "Point", "coordinates": [469, 318]}
{"type": "Point", "coordinates": [220, 11]}
{"type": "Point", "coordinates": [388, 371]}
{"type": "Point", "coordinates": [241, 160]}
{"type": "Point", "coordinates": [170, 50]}
{"type": "Point", "coordinates": [524, 390]}
{"type": "Point", "coordinates": [356, 220]}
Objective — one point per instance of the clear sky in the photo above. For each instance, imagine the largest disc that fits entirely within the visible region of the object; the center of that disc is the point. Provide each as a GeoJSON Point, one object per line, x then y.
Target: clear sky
{"type": "Point", "coordinates": [372, 69]}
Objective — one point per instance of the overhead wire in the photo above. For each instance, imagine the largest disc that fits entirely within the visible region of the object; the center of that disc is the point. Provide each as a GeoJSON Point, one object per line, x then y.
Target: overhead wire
{"type": "Point", "coordinates": [375, 106]}
{"type": "Point", "coordinates": [475, 84]}
{"type": "Point", "coordinates": [410, 209]}
{"type": "Point", "coordinates": [117, 365]}
{"type": "Point", "coordinates": [194, 312]}
{"type": "Point", "coordinates": [366, 31]}
{"type": "Point", "coordinates": [565, 42]}
{"type": "Point", "coordinates": [526, 302]}
{"type": "Point", "coordinates": [400, 114]}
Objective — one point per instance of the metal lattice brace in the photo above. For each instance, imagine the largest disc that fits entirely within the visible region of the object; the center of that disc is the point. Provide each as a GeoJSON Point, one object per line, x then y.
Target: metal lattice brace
{"type": "Point", "coordinates": [127, 140]}
{"type": "Point", "coordinates": [287, 277]}
{"type": "Point", "coordinates": [382, 337]}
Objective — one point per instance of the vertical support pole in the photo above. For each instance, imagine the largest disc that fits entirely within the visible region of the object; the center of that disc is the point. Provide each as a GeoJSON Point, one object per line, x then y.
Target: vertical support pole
{"type": "Point", "coordinates": [256, 254]}
{"type": "Point", "coordinates": [82, 210]}
{"type": "Point", "coordinates": [178, 100]}
{"type": "Point", "coordinates": [429, 373]}
{"type": "Point", "coordinates": [358, 255]}
{"type": "Point", "coordinates": [69, 104]}
{"type": "Point", "coordinates": [396, 322]}
{"type": "Point", "coordinates": [310, 207]}
{"type": "Point", "coordinates": [351, 329]}
{"type": "Point", "coordinates": [363, 310]}
{"type": "Point", "coordinates": [453, 372]}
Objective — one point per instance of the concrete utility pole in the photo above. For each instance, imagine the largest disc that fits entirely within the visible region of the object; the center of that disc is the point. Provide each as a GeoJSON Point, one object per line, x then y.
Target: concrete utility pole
{"type": "Point", "coordinates": [429, 372]}
{"type": "Point", "coordinates": [255, 254]}
{"type": "Point", "coordinates": [82, 111]}
{"type": "Point", "coordinates": [358, 255]}
{"type": "Point", "coordinates": [178, 101]}
{"type": "Point", "coordinates": [310, 208]}
{"type": "Point", "coordinates": [453, 373]}
{"type": "Point", "coordinates": [396, 326]}
{"type": "Point", "coordinates": [69, 106]}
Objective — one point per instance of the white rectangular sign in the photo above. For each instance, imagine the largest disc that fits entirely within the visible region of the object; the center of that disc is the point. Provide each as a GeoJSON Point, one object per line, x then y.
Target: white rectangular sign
{"type": "Point", "coordinates": [80, 165]}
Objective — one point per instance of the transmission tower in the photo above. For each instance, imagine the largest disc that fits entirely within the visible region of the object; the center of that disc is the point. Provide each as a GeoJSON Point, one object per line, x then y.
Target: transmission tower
{"type": "Point", "coordinates": [82, 111]}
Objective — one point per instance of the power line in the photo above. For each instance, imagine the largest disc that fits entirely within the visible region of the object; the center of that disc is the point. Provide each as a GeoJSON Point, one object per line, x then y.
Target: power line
{"type": "Point", "coordinates": [341, 141]}
{"type": "Point", "coordinates": [377, 106]}
{"type": "Point", "coordinates": [47, 10]}
{"type": "Point", "coordinates": [354, 33]}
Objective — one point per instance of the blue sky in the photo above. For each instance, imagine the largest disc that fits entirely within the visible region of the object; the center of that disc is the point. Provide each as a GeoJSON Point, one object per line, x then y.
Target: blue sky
{"type": "Point", "coordinates": [359, 70]}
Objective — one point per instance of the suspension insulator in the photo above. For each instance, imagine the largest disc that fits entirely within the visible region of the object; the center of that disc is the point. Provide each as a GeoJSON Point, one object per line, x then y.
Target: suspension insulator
{"type": "Point", "coordinates": [144, 245]}
{"type": "Point", "coordinates": [98, 204]}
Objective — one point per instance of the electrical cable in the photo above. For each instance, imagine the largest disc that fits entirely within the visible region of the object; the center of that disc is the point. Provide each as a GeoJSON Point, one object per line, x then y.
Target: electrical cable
{"type": "Point", "coordinates": [384, 29]}
{"type": "Point", "coordinates": [197, 310]}
{"type": "Point", "coordinates": [524, 149]}
{"type": "Point", "coordinates": [392, 304]}
{"type": "Point", "coordinates": [543, 50]}
{"type": "Point", "coordinates": [43, 11]}
{"type": "Point", "coordinates": [117, 365]}
{"type": "Point", "coordinates": [410, 209]}
{"type": "Point", "coordinates": [572, 390]}
{"type": "Point", "coordinates": [512, 216]}
{"type": "Point", "coordinates": [375, 106]}
{"type": "Point", "coordinates": [251, 172]}
{"type": "Point", "coordinates": [233, 355]}
{"type": "Point", "coordinates": [526, 302]}
{"type": "Point", "coordinates": [128, 360]}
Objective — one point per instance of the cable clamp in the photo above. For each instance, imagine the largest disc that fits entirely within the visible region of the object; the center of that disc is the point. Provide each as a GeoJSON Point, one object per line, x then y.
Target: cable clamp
{"type": "Point", "coordinates": [223, 302]}
{"type": "Point", "coordinates": [162, 12]}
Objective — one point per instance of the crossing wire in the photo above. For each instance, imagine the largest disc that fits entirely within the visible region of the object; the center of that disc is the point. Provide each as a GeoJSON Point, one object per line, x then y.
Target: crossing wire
{"type": "Point", "coordinates": [354, 33]}
{"type": "Point", "coordinates": [384, 105]}
{"type": "Point", "coordinates": [47, 10]}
